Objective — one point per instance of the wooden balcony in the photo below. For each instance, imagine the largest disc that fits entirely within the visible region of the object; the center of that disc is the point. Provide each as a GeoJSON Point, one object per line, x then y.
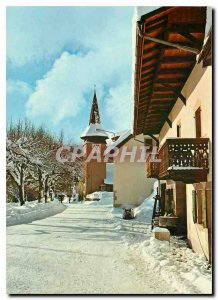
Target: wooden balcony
{"type": "Point", "coordinates": [181, 160]}
{"type": "Point", "coordinates": [152, 167]}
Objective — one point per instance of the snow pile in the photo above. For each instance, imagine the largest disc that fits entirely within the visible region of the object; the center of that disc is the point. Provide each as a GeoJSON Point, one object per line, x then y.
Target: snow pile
{"type": "Point", "coordinates": [187, 271]}
{"type": "Point", "coordinates": [144, 211]}
{"type": "Point", "coordinates": [109, 173]}
{"type": "Point", "coordinates": [142, 221]}
{"type": "Point", "coordinates": [31, 211]}
{"type": "Point", "coordinates": [101, 198]}
{"type": "Point", "coordinates": [175, 262]}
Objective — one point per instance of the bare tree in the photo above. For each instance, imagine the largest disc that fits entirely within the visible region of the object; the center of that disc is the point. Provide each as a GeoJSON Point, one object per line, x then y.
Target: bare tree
{"type": "Point", "coordinates": [31, 161]}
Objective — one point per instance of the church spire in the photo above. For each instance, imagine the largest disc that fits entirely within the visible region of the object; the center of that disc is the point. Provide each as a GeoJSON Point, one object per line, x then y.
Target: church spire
{"type": "Point", "coordinates": [94, 114]}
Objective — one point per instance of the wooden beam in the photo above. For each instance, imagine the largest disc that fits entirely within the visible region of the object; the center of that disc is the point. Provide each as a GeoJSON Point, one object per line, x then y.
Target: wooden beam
{"type": "Point", "coordinates": [169, 122]}
{"type": "Point", "coordinates": [149, 58]}
{"type": "Point", "coordinates": [175, 45]}
{"type": "Point", "coordinates": [174, 71]}
{"type": "Point", "coordinates": [161, 89]}
{"type": "Point", "coordinates": [176, 92]}
{"type": "Point", "coordinates": [171, 80]}
{"type": "Point", "coordinates": [145, 79]}
{"type": "Point", "coordinates": [162, 96]}
{"type": "Point", "coordinates": [143, 99]}
{"type": "Point", "coordinates": [178, 59]}
{"type": "Point", "coordinates": [164, 117]}
{"type": "Point", "coordinates": [157, 68]}
{"type": "Point", "coordinates": [177, 28]}
{"type": "Point", "coordinates": [190, 37]}
{"type": "Point", "coordinates": [147, 69]}
{"type": "Point", "coordinates": [157, 25]}
{"type": "Point", "coordinates": [154, 138]}
{"type": "Point", "coordinates": [157, 19]}
{"type": "Point", "coordinates": [162, 104]}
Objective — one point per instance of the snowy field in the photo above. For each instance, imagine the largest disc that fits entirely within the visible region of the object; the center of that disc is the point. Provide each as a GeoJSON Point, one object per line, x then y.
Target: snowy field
{"type": "Point", "coordinates": [31, 211]}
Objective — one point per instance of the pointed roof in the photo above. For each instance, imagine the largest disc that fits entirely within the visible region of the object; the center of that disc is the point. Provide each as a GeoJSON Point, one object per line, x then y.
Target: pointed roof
{"type": "Point", "coordinates": [124, 138]}
{"type": "Point", "coordinates": [94, 132]}
{"type": "Point", "coordinates": [94, 114]}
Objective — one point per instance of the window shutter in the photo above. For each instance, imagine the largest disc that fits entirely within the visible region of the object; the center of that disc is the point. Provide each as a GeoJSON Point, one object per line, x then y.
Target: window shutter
{"type": "Point", "coordinates": [204, 209]}
{"type": "Point", "coordinates": [194, 209]}
{"type": "Point", "coordinates": [171, 201]}
{"type": "Point", "coordinates": [199, 206]}
{"type": "Point", "coordinates": [148, 143]}
{"type": "Point", "coordinates": [198, 122]}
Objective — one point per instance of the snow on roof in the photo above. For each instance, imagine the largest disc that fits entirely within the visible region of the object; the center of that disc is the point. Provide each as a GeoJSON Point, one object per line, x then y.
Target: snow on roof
{"type": "Point", "coordinates": [184, 168]}
{"type": "Point", "coordinates": [109, 173]}
{"type": "Point", "coordinates": [121, 139]}
{"type": "Point", "coordinates": [94, 130]}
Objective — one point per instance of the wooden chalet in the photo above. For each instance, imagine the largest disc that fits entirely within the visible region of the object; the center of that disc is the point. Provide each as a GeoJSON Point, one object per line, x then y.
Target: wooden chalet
{"type": "Point", "coordinates": [173, 105]}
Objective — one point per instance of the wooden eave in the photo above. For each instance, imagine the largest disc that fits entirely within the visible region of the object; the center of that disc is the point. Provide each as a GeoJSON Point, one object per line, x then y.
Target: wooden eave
{"type": "Point", "coordinates": [162, 69]}
{"type": "Point", "coordinates": [206, 53]}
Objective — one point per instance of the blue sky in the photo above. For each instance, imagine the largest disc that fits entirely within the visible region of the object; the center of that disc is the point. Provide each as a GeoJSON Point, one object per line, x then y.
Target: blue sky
{"type": "Point", "coordinates": [55, 55]}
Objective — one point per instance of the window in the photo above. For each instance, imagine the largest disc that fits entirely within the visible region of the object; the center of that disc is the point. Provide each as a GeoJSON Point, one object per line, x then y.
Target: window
{"type": "Point", "coordinates": [169, 201]}
{"type": "Point", "coordinates": [148, 143]}
{"type": "Point", "coordinates": [198, 122]}
{"type": "Point", "coordinates": [178, 130]}
{"type": "Point", "coordinates": [199, 207]}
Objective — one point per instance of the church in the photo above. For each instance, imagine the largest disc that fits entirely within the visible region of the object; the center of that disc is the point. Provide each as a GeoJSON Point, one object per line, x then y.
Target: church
{"type": "Point", "coordinates": [94, 138]}
{"type": "Point", "coordinates": [126, 179]}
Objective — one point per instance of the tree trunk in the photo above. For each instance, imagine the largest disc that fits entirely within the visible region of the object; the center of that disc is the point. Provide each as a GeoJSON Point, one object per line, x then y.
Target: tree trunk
{"type": "Point", "coordinates": [41, 189]}
{"type": "Point", "coordinates": [21, 188]}
{"type": "Point", "coordinates": [46, 189]}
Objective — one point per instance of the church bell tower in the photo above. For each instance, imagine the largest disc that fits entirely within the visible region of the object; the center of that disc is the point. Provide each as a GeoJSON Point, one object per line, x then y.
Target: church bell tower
{"type": "Point", "coordinates": [94, 138]}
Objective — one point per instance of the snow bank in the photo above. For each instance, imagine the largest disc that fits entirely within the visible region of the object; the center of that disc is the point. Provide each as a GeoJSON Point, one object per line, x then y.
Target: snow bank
{"type": "Point", "coordinates": [31, 211]}
{"type": "Point", "coordinates": [109, 173]}
{"type": "Point", "coordinates": [187, 271]}
{"type": "Point", "coordinates": [175, 262]}
{"type": "Point", "coordinates": [103, 198]}
{"type": "Point", "coordinates": [145, 210]}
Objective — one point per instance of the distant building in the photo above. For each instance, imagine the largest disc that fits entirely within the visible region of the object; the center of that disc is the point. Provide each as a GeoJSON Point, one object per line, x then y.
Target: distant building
{"type": "Point", "coordinates": [130, 184]}
{"type": "Point", "coordinates": [127, 179]}
{"type": "Point", "coordinates": [94, 139]}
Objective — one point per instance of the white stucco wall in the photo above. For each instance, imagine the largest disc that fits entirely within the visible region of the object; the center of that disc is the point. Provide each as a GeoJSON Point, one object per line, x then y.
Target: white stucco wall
{"type": "Point", "coordinates": [198, 92]}
{"type": "Point", "coordinates": [131, 186]}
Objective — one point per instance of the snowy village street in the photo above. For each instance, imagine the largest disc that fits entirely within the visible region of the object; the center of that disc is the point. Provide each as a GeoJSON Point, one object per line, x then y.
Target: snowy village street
{"type": "Point", "coordinates": [77, 251]}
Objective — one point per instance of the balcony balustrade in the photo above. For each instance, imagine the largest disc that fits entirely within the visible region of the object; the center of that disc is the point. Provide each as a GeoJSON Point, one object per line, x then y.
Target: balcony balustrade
{"type": "Point", "coordinates": [181, 160]}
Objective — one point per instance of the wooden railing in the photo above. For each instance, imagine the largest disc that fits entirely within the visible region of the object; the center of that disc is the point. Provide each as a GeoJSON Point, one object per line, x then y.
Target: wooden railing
{"type": "Point", "coordinates": [152, 167]}
{"type": "Point", "coordinates": [181, 159]}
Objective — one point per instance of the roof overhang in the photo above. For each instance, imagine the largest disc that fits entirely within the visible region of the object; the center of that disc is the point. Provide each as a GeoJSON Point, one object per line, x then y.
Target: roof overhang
{"type": "Point", "coordinates": [167, 42]}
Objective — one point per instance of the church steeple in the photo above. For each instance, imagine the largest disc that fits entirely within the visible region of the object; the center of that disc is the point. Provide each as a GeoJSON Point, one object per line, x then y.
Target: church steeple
{"type": "Point", "coordinates": [94, 138]}
{"type": "Point", "coordinates": [94, 114]}
{"type": "Point", "coordinates": [94, 133]}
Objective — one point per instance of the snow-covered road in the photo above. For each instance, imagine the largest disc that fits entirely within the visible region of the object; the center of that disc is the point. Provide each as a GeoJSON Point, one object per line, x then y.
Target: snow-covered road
{"type": "Point", "coordinates": [78, 251]}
